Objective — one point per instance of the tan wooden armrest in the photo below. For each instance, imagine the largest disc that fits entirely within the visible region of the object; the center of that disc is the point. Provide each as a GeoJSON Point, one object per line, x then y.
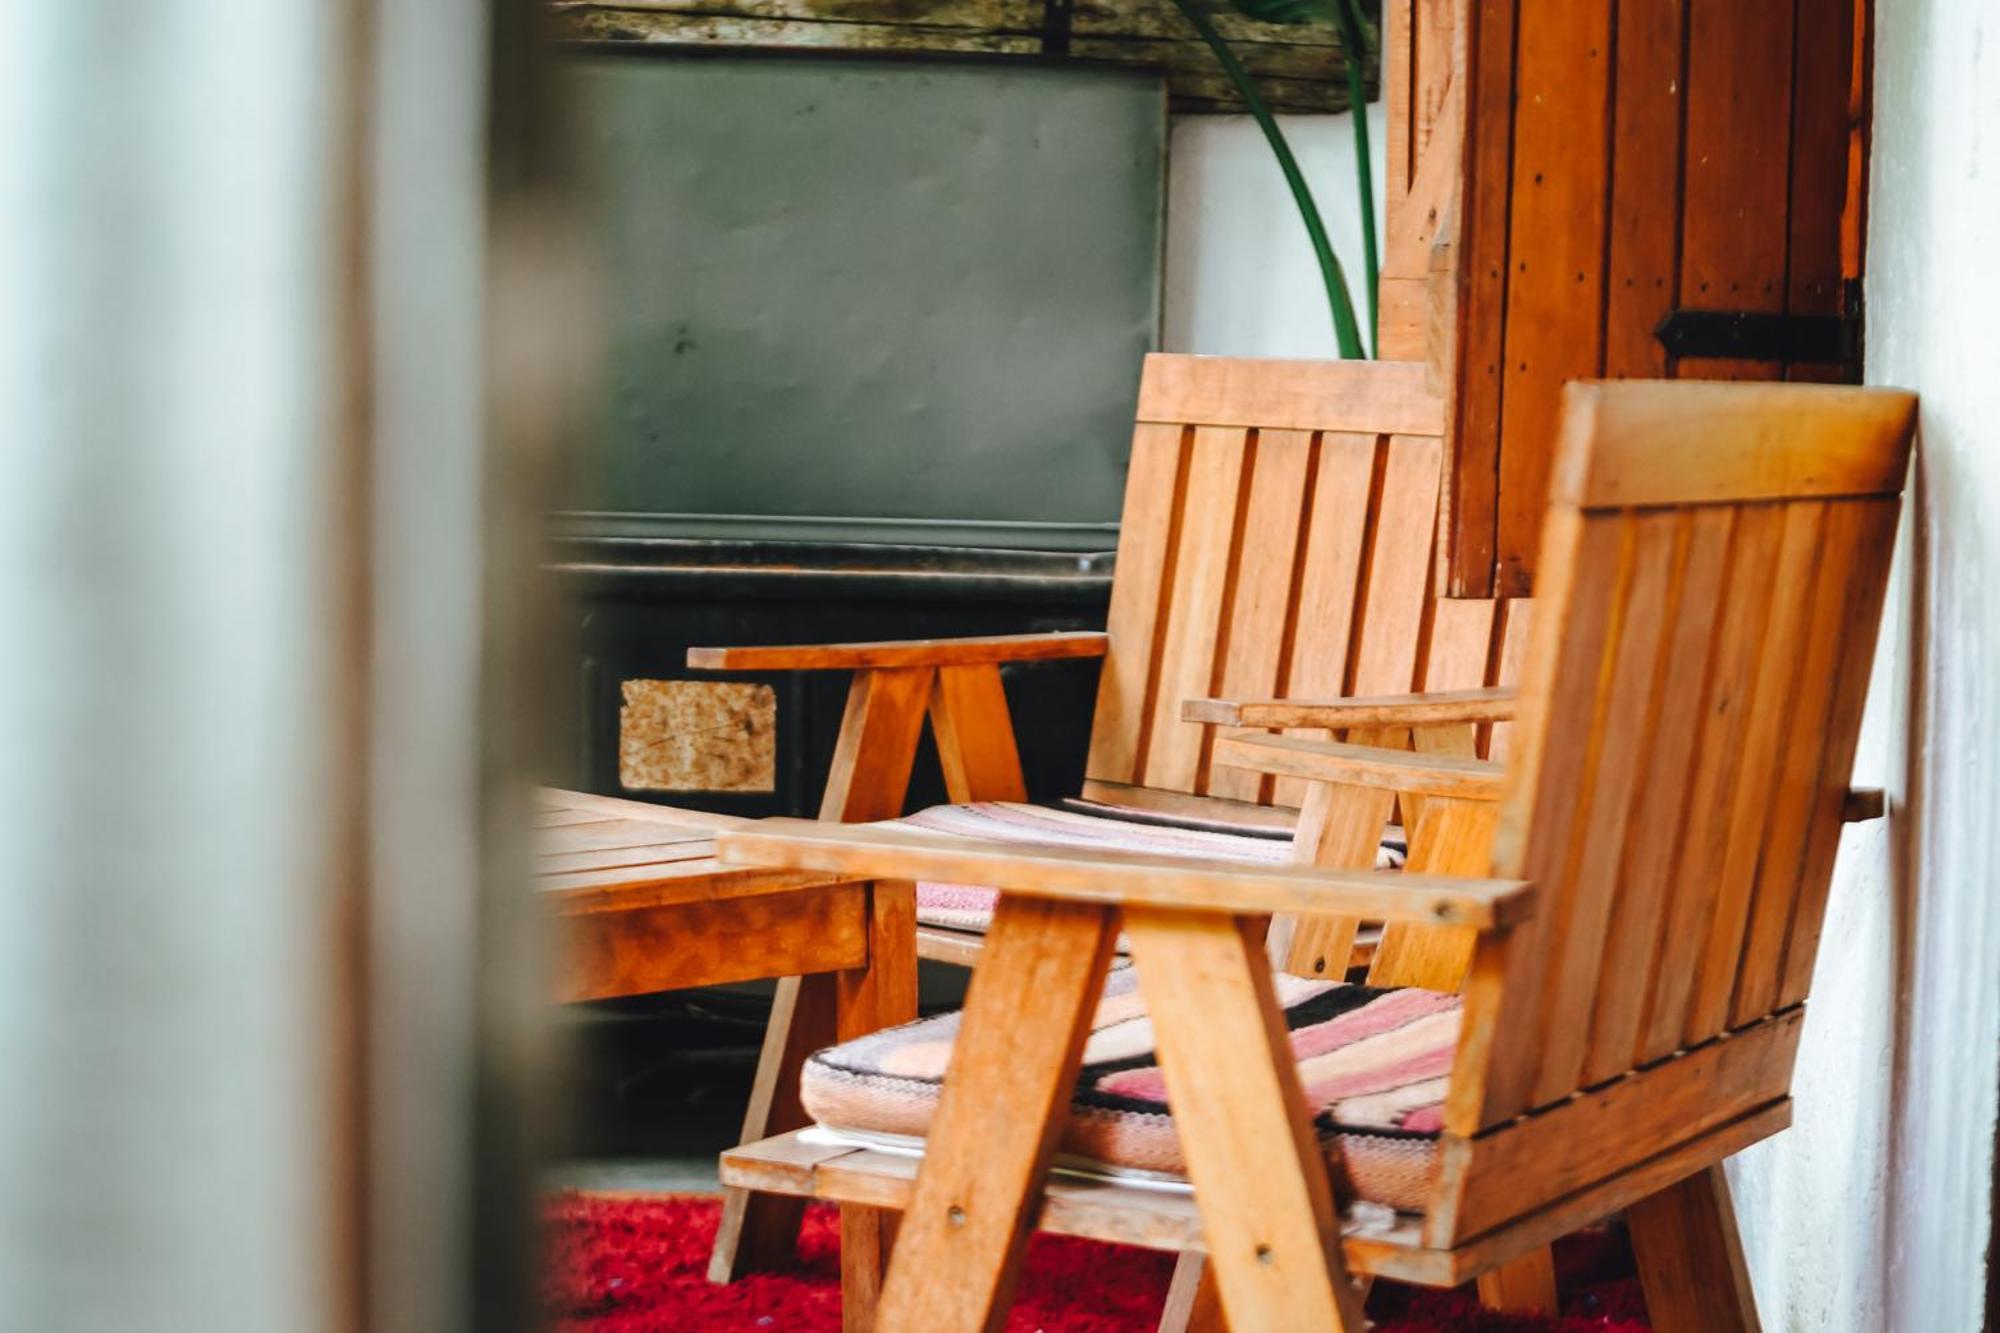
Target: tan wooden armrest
{"type": "Point", "coordinates": [969, 651]}
{"type": "Point", "coordinates": [1386, 710]}
{"type": "Point", "coordinates": [1364, 766]}
{"type": "Point", "coordinates": [870, 852]}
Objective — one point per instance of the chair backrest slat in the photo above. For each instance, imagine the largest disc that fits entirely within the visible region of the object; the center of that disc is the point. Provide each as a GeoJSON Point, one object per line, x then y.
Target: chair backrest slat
{"type": "Point", "coordinates": [1277, 541]}
{"type": "Point", "coordinates": [1712, 572]}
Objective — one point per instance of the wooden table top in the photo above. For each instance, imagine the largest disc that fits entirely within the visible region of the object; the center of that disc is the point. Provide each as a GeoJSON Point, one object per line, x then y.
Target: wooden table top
{"type": "Point", "coordinates": [602, 854]}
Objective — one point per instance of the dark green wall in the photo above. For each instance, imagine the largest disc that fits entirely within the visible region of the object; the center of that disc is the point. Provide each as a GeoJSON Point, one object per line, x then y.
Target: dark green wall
{"type": "Point", "coordinates": [909, 296]}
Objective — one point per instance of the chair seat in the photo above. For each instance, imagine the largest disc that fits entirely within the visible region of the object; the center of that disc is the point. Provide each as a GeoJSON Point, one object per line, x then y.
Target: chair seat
{"type": "Point", "coordinates": [1373, 1062]}
{"type": "Point", "coordinates": [969, 907]}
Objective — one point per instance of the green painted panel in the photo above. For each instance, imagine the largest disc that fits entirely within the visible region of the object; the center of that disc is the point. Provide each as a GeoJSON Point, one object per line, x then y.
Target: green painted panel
{"type": "Point", "coordinates": [875, 290]}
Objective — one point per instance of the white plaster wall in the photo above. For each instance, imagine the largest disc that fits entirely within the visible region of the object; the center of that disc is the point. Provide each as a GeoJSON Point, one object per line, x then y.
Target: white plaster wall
{"type": "Point", "coordinates": [1874, 1213]}
{"type": "Point", "coordinates": [1241, 278]}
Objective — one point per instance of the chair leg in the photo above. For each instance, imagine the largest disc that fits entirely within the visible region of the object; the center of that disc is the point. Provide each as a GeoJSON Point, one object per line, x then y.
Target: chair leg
{"type": "Point", "coordinates": [1259, 1178]}
{"type": "Point", "coordinates": [1005, 1099]}
{"type": "Point", "coordinates": [1691, 1258]}
{"type": "Point", "coordinates": [1193, 1304]}
{"type": "Point", "coordinates": [1526, 1284]}
{"type": "Point", "coordinates": [759, 1232]}
{"type": "Point", "coordinates": [867, 1236]}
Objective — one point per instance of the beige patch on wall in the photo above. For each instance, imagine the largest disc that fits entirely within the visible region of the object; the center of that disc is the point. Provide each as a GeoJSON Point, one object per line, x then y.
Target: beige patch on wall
{"type": "Point", "coordinates": [697, 735]}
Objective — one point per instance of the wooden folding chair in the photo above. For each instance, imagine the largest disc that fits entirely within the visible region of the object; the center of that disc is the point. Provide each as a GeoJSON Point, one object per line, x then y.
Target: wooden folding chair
{"type": "Point", "coordinates": [1656, 852]}
{"type": "Point", "coordinates": [1277, 542]}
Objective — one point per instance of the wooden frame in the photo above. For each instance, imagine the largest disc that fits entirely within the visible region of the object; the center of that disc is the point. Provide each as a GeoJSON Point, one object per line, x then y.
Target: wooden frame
{"type": "Point", "coordinates": [1711, 724]}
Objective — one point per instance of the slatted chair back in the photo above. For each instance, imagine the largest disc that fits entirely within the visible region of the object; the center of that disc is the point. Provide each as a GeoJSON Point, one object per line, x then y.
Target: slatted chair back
{"type": "Point", "coordinates": [1277, 542]}
{"type": "Point", "coordinates": [1712, 577]}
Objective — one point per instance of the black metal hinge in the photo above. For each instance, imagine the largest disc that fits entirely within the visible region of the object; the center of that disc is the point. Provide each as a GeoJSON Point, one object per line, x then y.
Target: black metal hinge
{"type": "Point", "coordinates": [1750, 335]}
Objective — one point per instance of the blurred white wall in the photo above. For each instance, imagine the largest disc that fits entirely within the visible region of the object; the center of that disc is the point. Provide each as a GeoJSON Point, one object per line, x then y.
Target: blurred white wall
{"type": "Point", "coordinates": [168, 253]}
{"type": "Point", "coordinates": [1241, 279]}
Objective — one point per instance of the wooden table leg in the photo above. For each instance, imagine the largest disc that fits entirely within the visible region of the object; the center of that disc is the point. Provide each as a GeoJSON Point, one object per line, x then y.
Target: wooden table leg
{"type": "Point", "coordinates": [1259, 1178]}
{"type": "Point", "coordinates": [1006, 1096]}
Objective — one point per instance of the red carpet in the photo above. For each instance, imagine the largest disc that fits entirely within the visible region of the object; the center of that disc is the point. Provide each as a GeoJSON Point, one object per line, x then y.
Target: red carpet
{"type": "Point", "coordinates": [636, 1265]}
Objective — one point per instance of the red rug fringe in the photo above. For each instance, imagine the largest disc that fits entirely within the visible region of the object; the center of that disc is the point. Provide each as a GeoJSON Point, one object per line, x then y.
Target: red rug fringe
{"type": "Point", "coordinates": [623, 1264]}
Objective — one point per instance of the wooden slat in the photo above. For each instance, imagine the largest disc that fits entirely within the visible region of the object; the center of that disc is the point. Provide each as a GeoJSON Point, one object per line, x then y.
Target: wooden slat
{"type": "Point", "coordinates": [1384, 710]}
{"type": "Point", "coordinates": [1517, 618]}
{"type": "Point", "coordinates": [557, 818]}
{"type": "Point", "coordinates": [1264, 587]}
{"type": "Point", "coordinates": [1823, 68]}
{"type": "Point", "coordinates": [1642, 280]}
{"type": "Point", "coordinates": [1398, 568]}
{"type": "Point", "coordinates": [1633, 946]}
{"type": "Point", "coordinates": [1145, 556]}
{"type": "Point", "coordinates": [1092, 875]}
{"type": "Point", "coordinates": [614, 807]}
{"type": "Point", "coordinates": [973, 649]}
{"type": "Point", "coordinates": [1783, 635]}
{"type": "Point", "coordinates": [1739, 74]}
{"type": "Point", "coordinates": [623, 858]}
{"type": "Point", "coordinates": [1679, 443]}
{"type": "Point", "coordinates": [1376, 397]}
{"type": "Point", "coordinates": [1517, 1168]}
{"type": "Point", "coordinates": [1203, 565]}
{"type": "Point", "coordinates": [1479, 304]}
{"type": "Point", "coordinates": [1551, 760]}
{"type": "Point", "coordinates": [1625, 735]}
{"type": "Point", "coordinates": [1876, 537]}
{"type": "Point", "coordinates": [1330, 582]}
{"type": "Point", "coordinates": [1388, 770]}
{"type": "Point", "coordinates": [1241, 1117]}
{"type": "Point", "coordinates": [1459, 648]}
{"type": "Point", "coordinates": [1555, 258]}
{"type": "Point", "coordinates": [1013, 1067]}
{"type": "Point", "coordinates": [610, 835]}
{"type": "Point", "coordinates": [1218, 812]}
{"type": "Point", "coordinates": [1729, 682]}
{"type": "Point", "coordinates": [1795, 800]}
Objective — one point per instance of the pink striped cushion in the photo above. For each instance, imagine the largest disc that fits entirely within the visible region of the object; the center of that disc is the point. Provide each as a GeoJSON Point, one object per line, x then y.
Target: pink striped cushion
{"type": "Point", "coordinates": [1373, 1061]}
{"type": "Point", "coordinates": [970, 907]}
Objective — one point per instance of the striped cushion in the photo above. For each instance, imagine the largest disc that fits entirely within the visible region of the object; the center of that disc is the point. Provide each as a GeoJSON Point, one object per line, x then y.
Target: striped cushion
{"type": "Point", "coordinates": [1373, 1063]}
{"type": "Point", "coordinates": [969, 907]}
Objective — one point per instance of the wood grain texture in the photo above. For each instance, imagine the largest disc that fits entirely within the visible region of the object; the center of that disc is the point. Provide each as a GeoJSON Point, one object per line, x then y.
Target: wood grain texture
{"type": "Point", "coordinates": [877, 745]}
{"type": "Point", "coordinates": [1089, 875]}
{"type": "Point", "coordinates": [678, 945]}
{"type": "Point", "coordinates": [1340, 827]}
{"type": "Point", "coordinates": [1389, 770]}
{"type": "Point", "coordinates": [1408, 710]}
{"type": "Point", "coordinates": [975, 736]}
{"type": "Point", "coordinates": [1660, 444]}
{"type": "Point", "coordinates": [1013, 1066]}
{"type": "Point", "coordinates": [1375, 397]}
{"type": "Point", "coordinates": [1059, 645]}
{"type": "Point", "coordinates": [1240, 1113]}
{"type": "Point", "coordinates": [1691, 1257]}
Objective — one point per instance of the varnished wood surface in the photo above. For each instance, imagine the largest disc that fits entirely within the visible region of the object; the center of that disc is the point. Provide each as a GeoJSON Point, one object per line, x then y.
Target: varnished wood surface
{"type": "Point", "coordinates": [970, 650]}
{"type": "Point", "coordinates": [1090, 875]}
{"type": "Point", "coordinates": [1495, 704]}
{"type": "Point", "coordinates": [646, 906]}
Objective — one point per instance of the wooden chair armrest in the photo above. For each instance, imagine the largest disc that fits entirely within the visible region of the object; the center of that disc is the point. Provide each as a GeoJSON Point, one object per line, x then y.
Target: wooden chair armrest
{"type": "Point", "coordinates": [1091, 875]}
{"type": "Point", "coordinates": [1364, 766]}
{"type": "Point", "coordinates": [971, 651]}
{"type": "Point", "coordinates": [1386, 710]}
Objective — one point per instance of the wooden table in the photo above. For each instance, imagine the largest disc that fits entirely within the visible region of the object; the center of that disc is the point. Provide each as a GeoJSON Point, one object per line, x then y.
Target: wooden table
{"type": "Point", "coordinates": [644, 905]}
